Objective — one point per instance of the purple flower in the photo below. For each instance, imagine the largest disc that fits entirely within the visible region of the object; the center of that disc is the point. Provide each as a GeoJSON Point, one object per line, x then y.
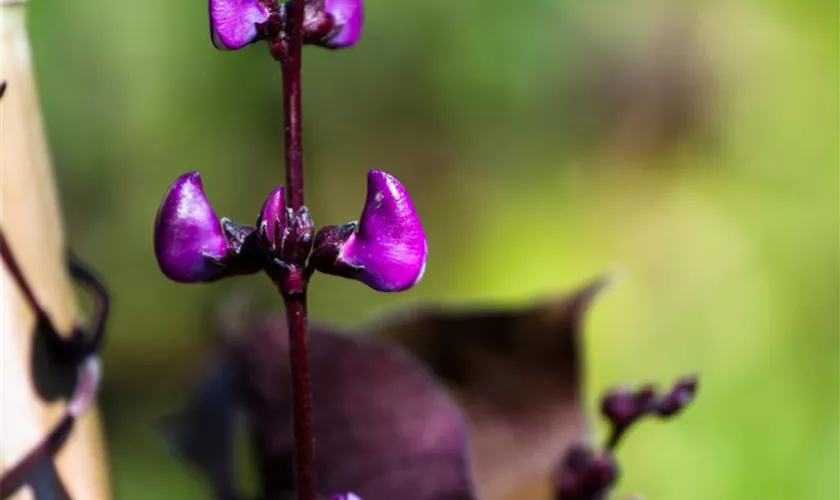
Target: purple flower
{"type": "Point", "coordinates": [347, 16]}
{"type": "Point", "coordinates": [233, 23]}
{"type": "Point", "coordinates": [386, 250]}
{"type": "Point", "coordinates": [188, 233]}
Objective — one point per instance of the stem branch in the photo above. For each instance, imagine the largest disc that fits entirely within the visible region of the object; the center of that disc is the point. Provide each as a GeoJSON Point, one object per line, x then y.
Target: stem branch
{"type": "Point", "coordinates": [615, 436]}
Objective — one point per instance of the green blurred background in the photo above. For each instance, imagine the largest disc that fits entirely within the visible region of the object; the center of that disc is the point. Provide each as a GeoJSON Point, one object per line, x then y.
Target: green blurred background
{"type": "Point", "coordinates": [691, 145]}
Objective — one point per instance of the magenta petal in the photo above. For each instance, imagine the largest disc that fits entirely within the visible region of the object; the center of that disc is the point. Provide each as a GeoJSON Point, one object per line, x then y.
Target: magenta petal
{"type": "Point", "coordinates": [187, 233]}
{"type": "Point", "coordinates": [233, 22]}
{"type": "Point", "coordinates": [348, 16]}
{"type": "Point", "coordinates": [390, 245]}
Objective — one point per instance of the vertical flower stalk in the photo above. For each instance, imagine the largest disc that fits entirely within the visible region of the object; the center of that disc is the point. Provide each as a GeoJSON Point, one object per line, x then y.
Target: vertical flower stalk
{"type": "Point", "coordinates": [31, 220]}
{"type": "Point", "coordinates": [288, 50]}
{"type": "Point", "coordinates": [290, 55]}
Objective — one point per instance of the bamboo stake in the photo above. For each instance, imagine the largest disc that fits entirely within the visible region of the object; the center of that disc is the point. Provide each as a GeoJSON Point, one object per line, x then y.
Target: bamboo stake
{"type": "Point", "coordinates": [31, 219]}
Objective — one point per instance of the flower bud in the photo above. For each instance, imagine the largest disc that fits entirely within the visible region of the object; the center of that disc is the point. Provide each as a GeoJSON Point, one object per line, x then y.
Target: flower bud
{"type": "Point", "coordinates": [233, 23]}
{"type": "Point", "coordinates": [619, 406]}
{"type": "Point", "coordinates": [602, 472]}
{"type": "Point", "coordinates": [388, 249]}
{"type": "Point", "coordinates": [680, 395]}
{"type": "Point", "coordinates": [284, 234]}
{"type": "Point", "coordinates": [646, 398]}
{"type": "Point", "coordinates": [584, 475]}
{"type": "Point", "coordinates": [188, 235]}
{"type": "Point", "coordinates": [273, 221]}
{"type": "Point", "coordinates": [347, 18]}
{"type": "Point", "coordinates": [298, 244]}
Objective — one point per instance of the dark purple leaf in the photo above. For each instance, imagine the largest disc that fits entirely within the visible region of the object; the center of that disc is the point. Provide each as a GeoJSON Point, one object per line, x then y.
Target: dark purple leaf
{"type": "Point", "coordinates": [383, 427]}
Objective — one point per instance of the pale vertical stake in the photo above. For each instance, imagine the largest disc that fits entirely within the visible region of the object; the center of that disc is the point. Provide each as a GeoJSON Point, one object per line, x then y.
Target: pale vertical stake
{"type": "Point", "coordinates": [31, 219]}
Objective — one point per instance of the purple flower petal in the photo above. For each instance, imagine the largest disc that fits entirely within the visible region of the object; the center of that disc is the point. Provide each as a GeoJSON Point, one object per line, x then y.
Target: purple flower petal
{"type": "Point", "coordinates": [348, 16]}
{"type": "Point", "coordinates": [390, 245]}
{"type": "Point", "coordinates": [187, 233]}
{"type": "Point", "coordinates": [233, 22]}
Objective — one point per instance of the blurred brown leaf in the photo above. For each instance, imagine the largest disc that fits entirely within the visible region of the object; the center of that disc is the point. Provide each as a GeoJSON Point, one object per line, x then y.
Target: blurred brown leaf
{"type": "Point", "coordinates": [517, 375]}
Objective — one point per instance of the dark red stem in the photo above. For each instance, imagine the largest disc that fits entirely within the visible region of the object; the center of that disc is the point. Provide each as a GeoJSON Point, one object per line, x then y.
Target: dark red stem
{"type": "Point", "coordinates": [290, 62]}
{"type": "Point", "coordinates": [615, 436]}
{"type": "Point", "coordinates": [288, 50]}
{"type": "Point", "coordinates": [301, 397]}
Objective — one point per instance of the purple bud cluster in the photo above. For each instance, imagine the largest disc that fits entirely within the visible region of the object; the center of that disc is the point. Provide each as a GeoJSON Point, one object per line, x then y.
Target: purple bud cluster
{"type": "Point", "coordinates": [623, 406]}
{"type": "Point", "coordinates": [283, 233]}
{"type": "Point", "coordinates": [583, 473]}
{"type": "Point", "coordinates": [327, 23]}
{"type": "Point", "coordinates": [386, 249]}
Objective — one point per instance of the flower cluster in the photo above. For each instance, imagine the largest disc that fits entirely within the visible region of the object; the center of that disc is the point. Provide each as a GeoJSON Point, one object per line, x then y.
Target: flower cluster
{"type": "Point", "coordinates": [585, 474]}
{"type": "Point", "coordinates": [623, 407]}
{"type": "Point", "coordinates": [328, 23]}
{"type": "Point", "coordinates": [386, 249]}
